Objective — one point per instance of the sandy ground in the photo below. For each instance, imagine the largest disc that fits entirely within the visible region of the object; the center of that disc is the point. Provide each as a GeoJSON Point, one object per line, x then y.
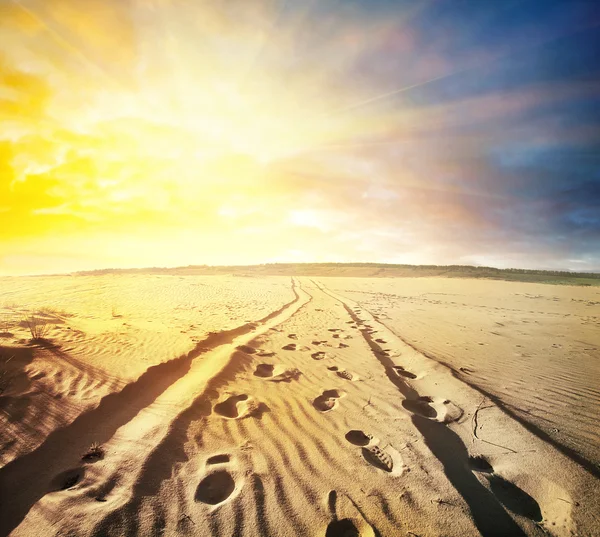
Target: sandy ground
{"type": "Point", "coordinates": [269, 406]}
{"type": "Point", "coordinates": [534, 347]}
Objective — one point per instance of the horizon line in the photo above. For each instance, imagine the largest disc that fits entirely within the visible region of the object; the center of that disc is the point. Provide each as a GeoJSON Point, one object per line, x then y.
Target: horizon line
{"type": "Point", "coordinates": [306, 263]}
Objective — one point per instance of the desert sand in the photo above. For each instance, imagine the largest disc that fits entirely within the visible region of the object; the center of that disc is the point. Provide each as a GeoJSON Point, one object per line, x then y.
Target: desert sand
{"type": "Point", "coordinates": [321, 406]}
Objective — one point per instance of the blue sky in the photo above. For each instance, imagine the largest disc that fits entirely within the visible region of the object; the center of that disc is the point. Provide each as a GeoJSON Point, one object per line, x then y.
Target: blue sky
{"type": "Point", "coordinates": [544, 154]}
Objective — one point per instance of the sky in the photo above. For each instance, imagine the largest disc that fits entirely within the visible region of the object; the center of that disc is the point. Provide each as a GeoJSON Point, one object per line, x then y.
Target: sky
{"type": "Point", "coordinates": [138, 133]}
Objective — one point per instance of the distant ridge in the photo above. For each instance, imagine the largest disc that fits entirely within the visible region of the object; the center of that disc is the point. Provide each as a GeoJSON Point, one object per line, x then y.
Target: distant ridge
{"type": "Point", "coordinates": [368, 270]}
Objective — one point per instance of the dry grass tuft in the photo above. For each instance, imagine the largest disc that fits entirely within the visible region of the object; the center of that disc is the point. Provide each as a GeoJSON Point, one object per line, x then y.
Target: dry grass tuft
{"type": "Point", "coordinates": [95, 452]}
{"type": "Point", "coordinates": [38, 328]}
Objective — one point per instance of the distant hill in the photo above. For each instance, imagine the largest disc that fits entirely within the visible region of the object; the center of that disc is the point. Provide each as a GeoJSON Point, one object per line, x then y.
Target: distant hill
{"type": "Point", "coordinates": [371, 270]}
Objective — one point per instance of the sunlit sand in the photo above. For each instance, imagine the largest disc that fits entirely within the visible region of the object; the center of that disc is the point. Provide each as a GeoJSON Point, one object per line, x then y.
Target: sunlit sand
{"type": "Point", "coordinates": [275, 405]}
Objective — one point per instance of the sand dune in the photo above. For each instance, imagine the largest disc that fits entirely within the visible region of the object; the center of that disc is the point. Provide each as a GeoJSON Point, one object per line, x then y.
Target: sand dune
{"type": "Point", "coordinates": [314, 412]}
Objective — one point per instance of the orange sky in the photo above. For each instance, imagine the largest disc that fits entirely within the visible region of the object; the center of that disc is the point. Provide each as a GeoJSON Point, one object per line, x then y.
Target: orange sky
{"type": "Point", "coordinates": [160, 133]}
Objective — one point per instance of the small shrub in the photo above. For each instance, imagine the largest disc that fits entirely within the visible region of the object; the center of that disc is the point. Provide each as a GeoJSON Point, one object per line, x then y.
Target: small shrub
{"type": "Point", "coordinates": [94, 453]}
{"type": "Point", "coordinates": [38, 328]}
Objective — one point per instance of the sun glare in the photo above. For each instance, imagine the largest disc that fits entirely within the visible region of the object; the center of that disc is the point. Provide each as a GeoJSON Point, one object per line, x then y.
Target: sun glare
{"type": "Point", "coordinates": [146, 119]}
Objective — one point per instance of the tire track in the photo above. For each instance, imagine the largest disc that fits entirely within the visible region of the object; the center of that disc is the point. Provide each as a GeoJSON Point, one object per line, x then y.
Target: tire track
{"type": "Point", "coordinates": [489, 516]}
{"type": "Point", "coordinates": [170, 450]}
{"type": "Point", "coordinates": [63, 447]}
{"type": "Point", "coordinates": [510, 410]}
{"type": "Point", "coordinates": [569, 452]}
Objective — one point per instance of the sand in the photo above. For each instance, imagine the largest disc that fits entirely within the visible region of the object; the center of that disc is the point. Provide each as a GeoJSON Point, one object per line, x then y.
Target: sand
{"type": "Point", "coordinates": [227, 405]}
{"type": "Point", "coordinates": [536, 348]}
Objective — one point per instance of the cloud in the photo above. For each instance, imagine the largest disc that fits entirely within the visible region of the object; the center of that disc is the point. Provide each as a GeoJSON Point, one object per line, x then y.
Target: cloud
{"type": "Point", "coordinates": [334, 130]}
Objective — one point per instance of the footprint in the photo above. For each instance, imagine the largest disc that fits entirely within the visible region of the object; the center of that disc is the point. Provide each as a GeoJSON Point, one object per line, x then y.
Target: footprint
{"type": "Point", "coordinates": [229, 407]}
{"type": "Point", "coordinates": [327, 400]}
{"type": "Point", "coordinates": [289, 347]}
{"type": "Point", "coordinates": [480, 464]}
{"type": "Point", "coordinates": [284, 374]}
{"type": "Point", "coordinates": [347, 520]}
{"type": "Point", "coordinates": [441, 410]}
{"type": "Point", "coordinates": [382, 341]}
{"type": "Point", "coordinates": [218, 459]}
{"type": "Point", "coordinates": [378, 458]}
{"type": "Point", "coordinates": [335, 330]}
{"type": "Point", "coordinates": [264, 370]}
{"type": "Point", "coordinates": [246, 348]}
{"type": "Point", "coordinates": [358, 438]}
{"type": "Point", "coordinates": [448, 411]}
{"type": "Point", "coordinates": [276, 373]}
{"type": "Point", "coordinates": [342, 345]}
{"type": "Point", "coordinates": [317, 342]}
{"type": "Point", "coordinates": [292, 336]}
{"type": "Point", "coordinates": [422, 408]}
{"type": "Point", "coordinates": [215, 488]}
{"type": "Point", "coordinates": [514, 498]}
{"type": "Point", "coordinates": [67, 479]}
{"type": "Point", "coordinates": [342, 528]}
{"type": "Point", "coordinates": [403, 373]}
{"type": "Point", "coordinates": [346, 375]}
{"type": "Point", "coordinates": [333, 368]}
{"type": "Point", "coordinates": [318, 355]}
{"type": "Point", "coordinates": [239, 406]}
{"type": "Point", "coordinates": [336, 336]}
{"type": "Point", "coordinates": [339, 528]}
